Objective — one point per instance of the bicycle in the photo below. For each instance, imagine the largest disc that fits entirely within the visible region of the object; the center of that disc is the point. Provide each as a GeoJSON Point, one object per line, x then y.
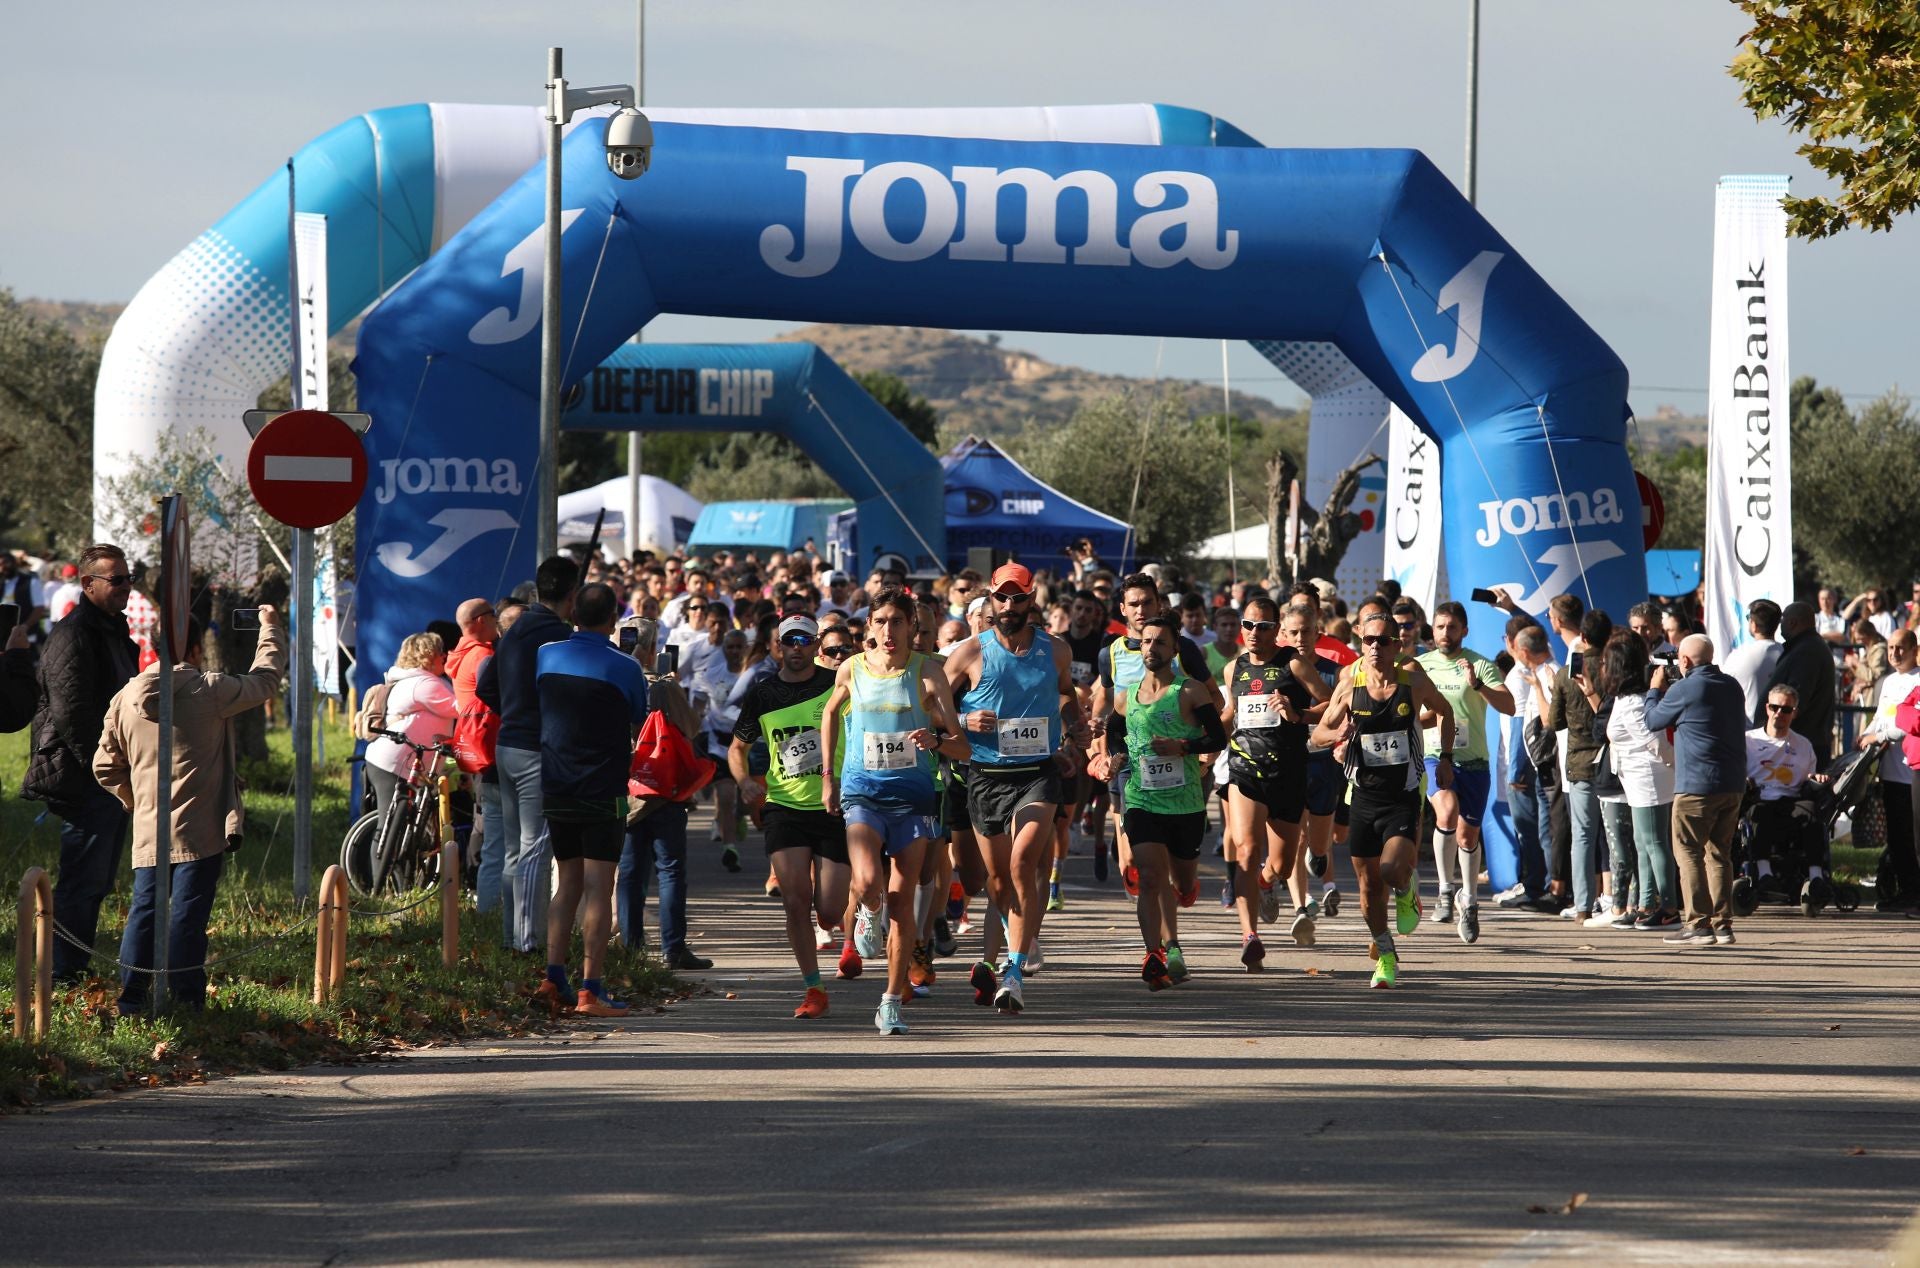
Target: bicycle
{"type": "Point", "coordinates": [399, 849]}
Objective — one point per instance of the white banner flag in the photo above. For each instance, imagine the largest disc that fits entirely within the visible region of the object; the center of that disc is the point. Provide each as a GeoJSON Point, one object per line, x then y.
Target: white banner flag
{"type": "Point", "coordinates": [1749, 552]}
{"type": "Point", "coordinates": [1412, 550]}
{"type": "Point", "coordinates": [310, 263]}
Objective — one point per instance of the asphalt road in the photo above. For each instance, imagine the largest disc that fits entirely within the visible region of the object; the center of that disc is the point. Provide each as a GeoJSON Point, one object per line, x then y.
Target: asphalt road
{"type": "Point", "coordinates": [1736, 1105]}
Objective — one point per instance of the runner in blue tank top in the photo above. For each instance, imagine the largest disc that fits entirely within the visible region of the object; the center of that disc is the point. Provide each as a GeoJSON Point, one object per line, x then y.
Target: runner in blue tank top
{"type": "Point", "coordinates": [1022, 717]}
{"type": "Point", "coordinates": [892, 710]}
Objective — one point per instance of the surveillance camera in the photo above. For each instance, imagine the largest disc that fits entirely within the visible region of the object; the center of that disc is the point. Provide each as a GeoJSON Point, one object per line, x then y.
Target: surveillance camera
{"type": "Point", "coordinates": [629, 144]}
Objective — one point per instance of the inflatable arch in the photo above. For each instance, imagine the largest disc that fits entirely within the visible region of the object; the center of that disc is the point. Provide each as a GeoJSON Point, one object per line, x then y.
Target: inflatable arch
{"type": "Point", "coordinates": [792, 390]}
{"type": "Point", "coordinates": [1372, 251]}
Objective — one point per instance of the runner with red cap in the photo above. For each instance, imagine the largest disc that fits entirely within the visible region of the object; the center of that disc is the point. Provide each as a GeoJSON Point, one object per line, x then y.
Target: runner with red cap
{"type": "Point", "coordinates": [1022, 717]}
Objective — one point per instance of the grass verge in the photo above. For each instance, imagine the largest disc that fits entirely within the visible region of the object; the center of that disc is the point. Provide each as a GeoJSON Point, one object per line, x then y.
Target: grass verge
{"type": "Point", "coordinates": [259, 1013]}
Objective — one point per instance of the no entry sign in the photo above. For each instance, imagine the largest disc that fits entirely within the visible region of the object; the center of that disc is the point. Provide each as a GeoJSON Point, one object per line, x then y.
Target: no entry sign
{"type": "Point", "coordinates": [1653, 510]}
{"type": "Point", "coordinates": [307, 468]}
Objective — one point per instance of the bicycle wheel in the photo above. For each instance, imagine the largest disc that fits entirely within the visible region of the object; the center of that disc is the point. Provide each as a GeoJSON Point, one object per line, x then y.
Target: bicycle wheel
{"type": "Point", "coordinates": [389, 844]}
{"type": "Point", "coordinates": [356, 852]}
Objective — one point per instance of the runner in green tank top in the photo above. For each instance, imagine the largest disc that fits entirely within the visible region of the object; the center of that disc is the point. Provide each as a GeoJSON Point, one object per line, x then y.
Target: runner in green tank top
{"type": "Point", "coordinates": [1164, 723]}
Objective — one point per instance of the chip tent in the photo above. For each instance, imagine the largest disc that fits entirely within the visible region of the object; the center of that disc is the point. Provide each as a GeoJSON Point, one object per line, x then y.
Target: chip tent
{"type": "Point", "coordinates": [994, 501]}
{"type": "Point", "coordinates": [667, 514]}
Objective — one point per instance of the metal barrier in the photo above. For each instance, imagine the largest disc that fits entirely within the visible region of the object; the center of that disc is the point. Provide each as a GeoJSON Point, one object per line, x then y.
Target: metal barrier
{"type": "Point", "coordinates": [330, 950]}
{"type": "Point", "coordinates": [451, 866]}
{"type": "Point", "coordinates": [33, 955]}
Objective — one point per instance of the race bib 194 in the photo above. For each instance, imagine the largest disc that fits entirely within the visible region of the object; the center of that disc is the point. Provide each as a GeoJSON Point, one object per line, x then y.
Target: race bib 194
{"type": "Point", "coordinates": [1023, 737]}
{"type": "Point", "coordinates": [800, 755]}
{"type": "Point", "coordinates": [1383, 748]}
{"type": "Point", "coordinates": [889, 750]}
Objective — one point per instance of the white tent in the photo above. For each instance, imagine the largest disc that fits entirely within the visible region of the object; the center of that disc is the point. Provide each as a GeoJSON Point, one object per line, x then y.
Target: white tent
{"type": "Point", "coordinates": [667, 513]}
{"type": "Point", "coordinates": [1249, 543]}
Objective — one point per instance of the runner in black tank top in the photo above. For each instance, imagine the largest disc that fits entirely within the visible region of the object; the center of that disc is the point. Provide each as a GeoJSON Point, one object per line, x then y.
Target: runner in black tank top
{"type": "Point", "coordinates": [1270, 688]}
{"type": "Point", "coordinates": [1375, 715]}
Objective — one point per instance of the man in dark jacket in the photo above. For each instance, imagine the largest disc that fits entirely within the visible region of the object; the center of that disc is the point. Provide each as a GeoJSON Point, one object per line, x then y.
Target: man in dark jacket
{"type": "Point", "coordinates": [87, 658]}
{"type": "Point", "coordinates": [506, 685]}
{"type": "Point", "coordinates": [18, 690]}
{"type": "Point", "coordinates": [1806, 665]}
{"type": "Point", "coordinates": [1708, 714]}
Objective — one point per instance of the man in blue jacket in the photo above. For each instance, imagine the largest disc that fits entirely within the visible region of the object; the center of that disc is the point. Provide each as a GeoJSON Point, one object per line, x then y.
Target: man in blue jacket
{"type": "Point", "coordinates": [506, 685]}
{"type": "Point", "coordinates": [1708, 713]}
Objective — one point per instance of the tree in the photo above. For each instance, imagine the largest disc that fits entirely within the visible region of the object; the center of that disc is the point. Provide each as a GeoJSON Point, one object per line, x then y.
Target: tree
{"type": "Point", "coordinates": [914, 412]}
{"type": "Point", "coordinates": [1681, 476]}
{"type": "Point", "coordinates": [1108, 448]}
{"type": "Point", "coordinates": [1846, 73]}
{"type": "Point", "coordinates": [752, 466]}
{"type": "Point", "coordinates": [1852, 477]}
{"type": "Point", "coordinates": [46, 428]}
{"type": "Point", "coordinates": [1325, 533]}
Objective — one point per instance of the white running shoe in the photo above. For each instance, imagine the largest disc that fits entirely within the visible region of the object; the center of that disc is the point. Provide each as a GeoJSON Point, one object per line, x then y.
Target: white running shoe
{"type": "Point", "coordinates": [886, 1018]}
{"type": "Point", "coordinates": [1008, 999]}
{"type": "Point", "coordinates": [1038, 960]}
{"type": "Point", "coordinates": [822, 936]}
{"type": "Point", "coordinates": [1270, 904]}
{"type": "Point", "coordinates": [866, 936]}
{"type": "Point", "coordinates": [1302, 931]}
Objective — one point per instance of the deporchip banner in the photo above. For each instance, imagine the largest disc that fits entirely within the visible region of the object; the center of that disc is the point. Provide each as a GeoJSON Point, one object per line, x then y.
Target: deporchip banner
{"type": "Point", "coordinates": [1749, 551]}
{"type": "Point", "coordinates": [1412, 549]}
{"type": "Point", "coordinates": [310, 262]}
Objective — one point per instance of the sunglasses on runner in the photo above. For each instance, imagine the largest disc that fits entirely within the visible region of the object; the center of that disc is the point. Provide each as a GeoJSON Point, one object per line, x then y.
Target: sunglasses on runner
{"type": "Point", "coordinates": [797, 639]}
{"type": "Point", "coordinates": [1257, 626]}
{"type": "Point", "coordinates": [1014, 597]}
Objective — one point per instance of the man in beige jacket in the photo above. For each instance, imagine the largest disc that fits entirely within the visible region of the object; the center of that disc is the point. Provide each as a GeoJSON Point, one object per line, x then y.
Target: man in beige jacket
{"type": "Point", "coordinates": [207, 813]}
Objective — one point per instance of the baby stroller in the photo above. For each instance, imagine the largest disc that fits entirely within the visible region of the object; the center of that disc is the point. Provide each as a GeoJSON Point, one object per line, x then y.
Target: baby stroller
{"type": "Point", "coordinates": [1800, 829]}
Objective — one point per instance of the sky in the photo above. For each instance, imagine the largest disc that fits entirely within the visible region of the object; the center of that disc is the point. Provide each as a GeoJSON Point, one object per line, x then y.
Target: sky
{"type": "Point", "coordinates": [128, 128]}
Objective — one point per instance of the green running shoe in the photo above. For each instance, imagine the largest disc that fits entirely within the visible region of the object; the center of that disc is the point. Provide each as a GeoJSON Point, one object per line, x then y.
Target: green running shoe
{"type": "Point", "coordinates": [1177, 964]}
{"type": "Point", "coordinates": [1054, 901]}
{"type": "Point", "coordinates": [1384, 970]}
{"type": "Point", "coordinates": [1407, 910]}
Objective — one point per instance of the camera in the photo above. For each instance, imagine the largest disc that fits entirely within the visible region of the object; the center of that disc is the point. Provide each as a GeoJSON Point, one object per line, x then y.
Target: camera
{"type": "Point", "coordinates": [246, 620]}
{"type": "Point", "coordinates": [629, 144]}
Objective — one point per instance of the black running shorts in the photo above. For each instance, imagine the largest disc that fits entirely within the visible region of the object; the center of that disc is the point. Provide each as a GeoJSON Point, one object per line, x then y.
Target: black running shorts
{"type": "Point", "coordinates": [1282, 790]}
{"type": "Point", "coordinates": [816, 830]}
{"type": "Point", "coordinates": [995, 793]}
{"type": "Point", "coordinates": [1181, 834]}
{"type": "Point", "coordinates": [597, 839]}
{"type": "Point", "coordinates": [1377, 818]}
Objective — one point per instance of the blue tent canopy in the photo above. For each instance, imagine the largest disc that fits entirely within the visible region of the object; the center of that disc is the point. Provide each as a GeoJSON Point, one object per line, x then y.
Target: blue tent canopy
{"type": "Point", "coordinates": [1673, 572]}
{"type": "Point", "coordinates": [994, 501]}
{"type": "Point", "coordinates": [764, 525]}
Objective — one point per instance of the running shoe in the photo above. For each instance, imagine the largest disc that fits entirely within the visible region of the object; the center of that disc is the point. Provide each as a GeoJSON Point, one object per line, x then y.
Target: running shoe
{"type": "Point", "coordinates": [1302, 930]}
{"type": "Point", "coordinates": [1054, 901]}
{"type": "Point", "coordinates": [1154, 972]}
{"type": "Point", "coordinates": [920, 972]}
{"type": "Point", "coordinates": [773, 888]}
{"type": "Point", "coordinates": [1100, 861]}
{"type": "Point", "coordinates": [866, 933]}
{"type": "Point", "coordinates": [983, 982]}
{"type": "Point", "coordinates": [550, 995]}
{"type": "Point", "coordinates": [1188, 897]}
{"type": "Point", "coordinates": [1629, 919]}
{"type": "Point", "coordinates": [965, 926]}
{"type": "Point", "coordinates": [1269, 902]}
{"type": "Point", "coordinates": [915, 992]}
{"type": "Point", "coordinates": [1600, 919]}
{"type": "Point", "coordinates": [1317, 865]}
{"type": "Point", "coordinates": [1130, 877]}
{"type": "Point", "coordinates": [1686, 936]}
{"type": "Point", "coordinates": [1723, 937]}
{"type": "Point", "coordinates": [886, 1018]}
{"type": "Point", "coordinates": [944, 943]}
{"type": "Point", "coordinates": [1226, 892]}
{"type": "Point", "coordinates": [1406, 905]}
{"type": "Point", "coordinates": [813, 1004]}
{"type": "Point", "coordinates": [1469, 923]}
{"type": "Point", "coordinates": [1252, 953]}
{"type": "Point", "coordinates": [822, 936]}
{"type": "Point", "coordinates": [1657, 920]}
{"type": "Point", "coordinates": [599, 1005]}
{"type": "Point", "coordinates": [956, 902]}
{"type": "Point", "coordinates": [1384, 971]}
{"type": "Point", "coordinates": [730, 858]}
{"type": "Point", "coordinates": [1515, 897]}
{"type": "Point", "coordinates": [1177, 964]}
{"type": "Point", "coordinates": [1037, 959]}
{"type": "Point", "coordinates": [1443, 910]}
{"type": "Point", "coordinates": [1815, 895]}
{"type": "Point", "coordinates": [1008, 999]}
{"type": "Point", "coordinates": [850, 962]}
{"type": "Point", "coordinates": [1330, 900]}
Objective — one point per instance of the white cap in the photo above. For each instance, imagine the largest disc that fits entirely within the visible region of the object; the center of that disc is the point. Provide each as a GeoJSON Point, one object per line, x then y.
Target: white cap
{"type": "Point", "coordinates": [803, 624]}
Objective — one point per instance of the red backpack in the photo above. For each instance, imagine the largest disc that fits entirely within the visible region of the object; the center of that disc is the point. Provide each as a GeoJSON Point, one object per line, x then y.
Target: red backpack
{"type": "Point", "coordinates": [664, 764]}
{"type": "Point", "coordinates": [475, 732]}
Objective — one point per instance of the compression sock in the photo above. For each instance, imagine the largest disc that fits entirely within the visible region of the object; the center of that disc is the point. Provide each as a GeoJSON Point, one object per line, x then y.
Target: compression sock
{"type": "Point", "coordinates": [923, 900]}
{"type": "Point", "coordinates": [1446, 853]}
{"type": "Point", "coordinates": [1469, 874]}
{"type": "Point", "coordinates": [1383, 942]}
{"type": "Point", "coordinates": [1017, 965]}
{"type": "Point", "coordinates": [557, 974]}
{"type": "Point", "coordinates": [812, 979]}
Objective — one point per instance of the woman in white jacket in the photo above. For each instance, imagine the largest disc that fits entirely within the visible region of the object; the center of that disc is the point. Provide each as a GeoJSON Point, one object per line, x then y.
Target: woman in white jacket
{"type": "Point", "coordinates": [420, 706]}
{"type": "Point", "coordinates": [1643, 760]}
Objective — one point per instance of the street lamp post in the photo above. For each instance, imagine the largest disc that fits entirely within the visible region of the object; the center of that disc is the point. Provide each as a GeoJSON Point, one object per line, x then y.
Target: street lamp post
{"type": "Point", "coordinates": [562, 103]}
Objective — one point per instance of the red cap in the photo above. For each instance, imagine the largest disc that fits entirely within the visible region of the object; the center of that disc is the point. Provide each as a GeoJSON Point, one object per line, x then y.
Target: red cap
{"type": "Point", "coordinates": [70, 571]}
{"type": "Point", "coordinates": [1013, 578]}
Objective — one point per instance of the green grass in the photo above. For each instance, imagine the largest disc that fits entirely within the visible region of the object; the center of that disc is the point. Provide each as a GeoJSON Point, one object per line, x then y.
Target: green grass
{"type": "Point", "coordinates": [259, 1013]}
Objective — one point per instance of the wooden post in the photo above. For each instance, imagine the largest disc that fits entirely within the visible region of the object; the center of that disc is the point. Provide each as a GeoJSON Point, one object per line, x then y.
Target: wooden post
{"type": "Point", "coordinates": [33, 955]}
{"type": "Point", "coordinates": [330, 942]}
{"type": "Point", "coordinates": [450, 868]}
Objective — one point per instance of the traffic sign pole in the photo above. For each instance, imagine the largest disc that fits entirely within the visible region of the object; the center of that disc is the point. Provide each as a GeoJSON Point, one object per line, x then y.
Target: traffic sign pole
{"type": "Point", "coordinates": [300, 701]}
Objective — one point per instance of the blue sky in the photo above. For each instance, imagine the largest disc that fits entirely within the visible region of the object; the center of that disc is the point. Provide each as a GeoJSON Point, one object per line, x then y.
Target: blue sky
{"type": "Point", "coordinates": [1603, 126]}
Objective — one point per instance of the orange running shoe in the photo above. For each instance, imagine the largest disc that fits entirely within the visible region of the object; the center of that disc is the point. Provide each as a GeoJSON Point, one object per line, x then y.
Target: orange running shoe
{"type": "Point", "coordinates": [1154, 972]}
{"type": "Point", "coordinates": [591, 1005]}
{"type": "Point", "coordinates": [1130, 877]}
{"type": "Point", "coordinates": [1188, 897]}
{"type": "Point", "coordinates": [549, 995]}
{"type": "Point", "coordinates": [850, 962]}
{"type": "Point", "coordinates": [814, 1004]}
{"type": "Point", "coordinates": [920, 972]}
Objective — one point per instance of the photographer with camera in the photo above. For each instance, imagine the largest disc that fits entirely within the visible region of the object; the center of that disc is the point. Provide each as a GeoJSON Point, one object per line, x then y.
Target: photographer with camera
{"type": "Point", "coordinates": [207, 812]}
{"type": "Point", "coordinates": [1708, 714]}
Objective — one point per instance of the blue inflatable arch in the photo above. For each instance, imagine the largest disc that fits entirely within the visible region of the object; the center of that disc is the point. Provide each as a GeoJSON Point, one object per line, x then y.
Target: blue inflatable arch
{"type": "Point", "coordinates": [1371, 250]}
{"type": "Point", "coordinates": [792, 390]}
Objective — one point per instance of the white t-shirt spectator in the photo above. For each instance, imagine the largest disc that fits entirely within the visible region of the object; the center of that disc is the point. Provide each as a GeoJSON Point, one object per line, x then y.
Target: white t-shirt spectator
{"type": "Point", "coordinates": [1751, 665]}
{"type": "Point", "coordinates": [65, 595]}
{"type": "Point", "coordinates": [1642, 759]}
{"type": "Point", "coordinates": [1882, 621]}
{"type": "Point", "coordinates": [716, 684]}
{"type": "Point", "coordinates": [420, 706]}
{"type": "Point", "coordinates": [1778, 767]}
{"type": "Point", "coordinates": [1894, 689]}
